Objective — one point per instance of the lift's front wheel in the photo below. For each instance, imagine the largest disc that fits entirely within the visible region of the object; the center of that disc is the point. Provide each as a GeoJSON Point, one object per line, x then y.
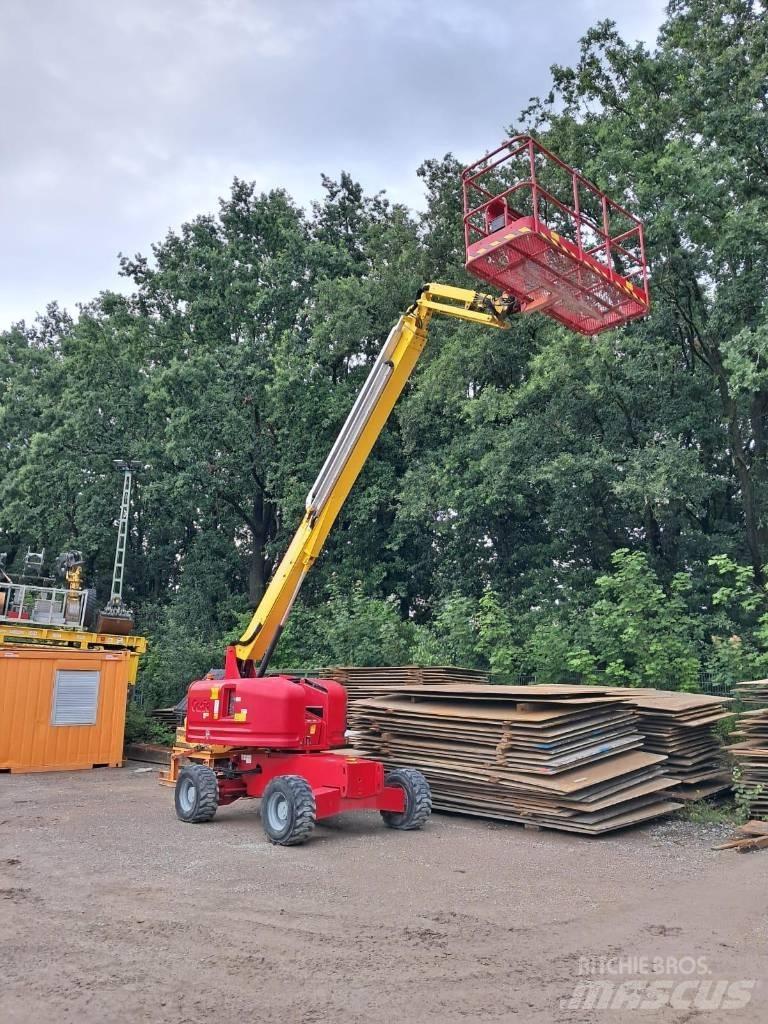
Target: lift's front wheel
{"type": "Point", "coordinates": [418, 799]}
{"type": "Point", "coordinates": [288, 810]}
{"type": "Point", "coordinates": [197, 793]}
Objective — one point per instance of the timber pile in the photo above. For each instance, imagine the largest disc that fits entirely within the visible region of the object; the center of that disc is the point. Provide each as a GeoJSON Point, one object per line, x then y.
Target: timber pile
{"type": "Point", "coordinates": [751, 756]}
{"type": "Point", "coordinates": [550, 756]}
{"type": "Point", "coordinates": [751, 836]}
{"type": "Point", "coordinates": [753, 692]}
{"type": "Point", "coordinates": [169, 717]}
{"type": "Point", "coordinates": [361, 683]}
{"type": "Point", "coordinates": [679, 725]}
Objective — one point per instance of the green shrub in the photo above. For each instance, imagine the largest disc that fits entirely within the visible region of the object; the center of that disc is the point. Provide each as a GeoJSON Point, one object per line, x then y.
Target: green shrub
{"type": "Point", "coordinates": [140, 728]}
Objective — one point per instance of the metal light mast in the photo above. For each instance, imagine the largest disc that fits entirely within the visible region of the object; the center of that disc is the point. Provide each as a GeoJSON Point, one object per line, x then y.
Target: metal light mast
{"type": "Point", "coordinates": [116, 617]}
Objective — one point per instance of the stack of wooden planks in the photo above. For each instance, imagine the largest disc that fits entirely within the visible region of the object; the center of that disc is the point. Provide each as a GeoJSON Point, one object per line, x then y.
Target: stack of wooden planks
{"type": "Point", "coordinates": [379, 681]}
{"type": "Point", "coordinates": [169, 717]}
{"type": "Point", "coordinates": [751, 756]}
{"type": "Point", "coordinates": [553, 756]}
{"type": "Point", "coordinates": [679, 725]}
{"type": "Point", "coordinates": [753, 692]}
{"type": "Point", "coordinates": [753, 835]}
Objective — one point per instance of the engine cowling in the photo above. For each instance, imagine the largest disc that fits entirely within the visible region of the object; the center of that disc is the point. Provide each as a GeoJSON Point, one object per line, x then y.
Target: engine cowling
{"type": "Point", "coordinates": [271, 712]}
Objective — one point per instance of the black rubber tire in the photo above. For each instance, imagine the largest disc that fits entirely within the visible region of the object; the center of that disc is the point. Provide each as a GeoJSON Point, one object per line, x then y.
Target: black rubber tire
{"type": "Point", "coordinates": [288, 811]}
{"type": "Point", "coordinates": [197, 793]}
{"type": "Point", "coordinates": [91, 608]}
{"type": "Point", "coordinates": [418, 799]}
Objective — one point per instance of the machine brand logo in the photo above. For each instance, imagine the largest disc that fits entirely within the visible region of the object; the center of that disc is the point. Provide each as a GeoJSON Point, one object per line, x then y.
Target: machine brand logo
{"type": "Point", "coordinates": [198, 706]}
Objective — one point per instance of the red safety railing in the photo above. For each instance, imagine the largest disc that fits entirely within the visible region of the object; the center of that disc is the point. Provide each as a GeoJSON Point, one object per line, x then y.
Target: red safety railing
{"type": "Point", "coordinates": [536, 227]}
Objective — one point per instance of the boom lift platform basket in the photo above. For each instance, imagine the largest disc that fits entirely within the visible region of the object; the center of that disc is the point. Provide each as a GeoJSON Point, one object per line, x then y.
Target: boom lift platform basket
{"type": "Point", "coordinates": [538, 230]}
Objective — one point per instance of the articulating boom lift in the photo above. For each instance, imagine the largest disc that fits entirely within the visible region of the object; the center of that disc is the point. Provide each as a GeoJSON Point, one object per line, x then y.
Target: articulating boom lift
{"type": "Point", "coordinates": [271, 736]}
{"type": "Point", "coordinates": [252, 735]}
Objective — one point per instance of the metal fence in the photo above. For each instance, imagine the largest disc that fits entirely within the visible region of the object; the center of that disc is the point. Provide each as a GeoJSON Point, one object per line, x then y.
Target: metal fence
{"type": "Point", "coordinates": [42, 606]}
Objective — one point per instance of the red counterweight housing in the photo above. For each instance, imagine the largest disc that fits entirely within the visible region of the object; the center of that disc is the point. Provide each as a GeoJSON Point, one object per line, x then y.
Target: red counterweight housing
{"type": "Point", "coordinates": [268, 712]}
{"type": "Point", "coordinates": [540, 231]}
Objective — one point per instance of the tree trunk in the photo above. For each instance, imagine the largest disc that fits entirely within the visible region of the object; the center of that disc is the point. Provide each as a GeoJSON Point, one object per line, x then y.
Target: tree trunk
{"type": "Point", "coordinates": [652, 533]}
{"type": "Point", "coordinates": [262, 527]}
{"type": "Point", "coordinates": [755, 535]}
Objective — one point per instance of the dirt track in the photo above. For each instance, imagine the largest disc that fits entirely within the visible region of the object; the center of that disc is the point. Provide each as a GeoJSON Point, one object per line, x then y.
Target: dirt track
{"type": "Point", "coordinates": [112, 910]}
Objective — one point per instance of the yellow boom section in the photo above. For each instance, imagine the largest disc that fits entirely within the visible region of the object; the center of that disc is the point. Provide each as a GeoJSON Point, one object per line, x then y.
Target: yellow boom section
{"type": "Point", "coordinates": [352, 447]}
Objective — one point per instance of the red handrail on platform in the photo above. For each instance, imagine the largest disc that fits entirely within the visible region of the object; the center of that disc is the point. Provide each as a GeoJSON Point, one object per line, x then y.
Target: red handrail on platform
{"type": "Point", "coordinates": [585, 286]}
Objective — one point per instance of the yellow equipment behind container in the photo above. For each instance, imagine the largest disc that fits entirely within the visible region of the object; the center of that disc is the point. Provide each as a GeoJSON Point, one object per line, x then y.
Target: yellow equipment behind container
{"type": "Point", "coordinates": [63, 707]}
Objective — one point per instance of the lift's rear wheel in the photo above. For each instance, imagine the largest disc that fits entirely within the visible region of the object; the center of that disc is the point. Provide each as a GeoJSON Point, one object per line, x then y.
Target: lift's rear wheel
{"type": "Point", "coordinates": [418, 799]}
{"type": "Point", "coordinates": [197, 793]}
{"type": "Point", "coordinates": [288, 810]}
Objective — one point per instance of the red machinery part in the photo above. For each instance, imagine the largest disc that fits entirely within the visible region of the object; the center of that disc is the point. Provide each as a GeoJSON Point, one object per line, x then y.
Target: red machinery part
{"type": "Point", "coordinates": [339, 783]}
{"type": "Point", "coordinates": [271, 737]}
{"type": "Point", "coordinates": [269, 712]}
{"type": "Point", "coordinates": [537, 229]}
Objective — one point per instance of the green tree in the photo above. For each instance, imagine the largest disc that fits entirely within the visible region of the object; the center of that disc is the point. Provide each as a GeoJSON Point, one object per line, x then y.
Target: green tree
{"type": "Point", "coordinates": [219, 295]}
{"type": "Point", "coordinates": [636, 633]}
{"type": "Point", "coordinates": [680, 133]}
{"type": "Point", "coordinates": [351, 627]}
{"type": "Point", "coordinates": [538, 503]}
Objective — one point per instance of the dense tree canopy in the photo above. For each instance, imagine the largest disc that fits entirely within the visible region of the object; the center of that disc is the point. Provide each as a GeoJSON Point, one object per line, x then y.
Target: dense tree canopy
{"type": "Point", "coordinates": [539, 503]}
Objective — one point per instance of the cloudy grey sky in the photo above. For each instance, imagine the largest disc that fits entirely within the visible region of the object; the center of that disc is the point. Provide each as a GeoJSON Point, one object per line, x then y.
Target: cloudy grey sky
{"type": "Point", "coordinates": [123, 118]}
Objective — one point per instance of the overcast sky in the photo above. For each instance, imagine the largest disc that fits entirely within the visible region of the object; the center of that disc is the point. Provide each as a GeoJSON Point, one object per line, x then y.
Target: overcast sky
{"type": "Point", "coordinates": [123, 118]}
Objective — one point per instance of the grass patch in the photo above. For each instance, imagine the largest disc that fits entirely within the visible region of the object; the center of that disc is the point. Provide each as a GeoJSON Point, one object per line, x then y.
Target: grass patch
{"type": "Point", "coordinates": [707, 812]}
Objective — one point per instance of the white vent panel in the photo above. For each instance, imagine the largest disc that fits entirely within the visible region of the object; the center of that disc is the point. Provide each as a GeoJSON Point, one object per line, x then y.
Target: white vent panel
{"type": "Point", "coordinates": [75, 698]}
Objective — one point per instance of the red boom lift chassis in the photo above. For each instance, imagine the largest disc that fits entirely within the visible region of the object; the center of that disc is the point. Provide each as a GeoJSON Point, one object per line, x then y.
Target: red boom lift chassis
{"type": "Point", "coordinates": [271, 737]}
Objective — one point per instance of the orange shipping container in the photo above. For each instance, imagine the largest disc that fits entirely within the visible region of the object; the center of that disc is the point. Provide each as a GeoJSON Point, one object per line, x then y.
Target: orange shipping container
{"type": "Point", "coordinates": [62, 709]}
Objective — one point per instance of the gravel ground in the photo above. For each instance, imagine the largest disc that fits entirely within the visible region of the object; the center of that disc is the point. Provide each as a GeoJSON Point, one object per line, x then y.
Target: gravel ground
{"type": "Point", "coordinates": [113, 910]}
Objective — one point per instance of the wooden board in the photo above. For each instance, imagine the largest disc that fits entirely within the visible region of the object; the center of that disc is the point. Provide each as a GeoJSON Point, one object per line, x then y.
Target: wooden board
{"type": "Point", "coordinates": [753, 692]}
{"type": "Point", "coordinates": [751, 757]}
{"type": "Point", "coordinates": [679, 725]}
{"type": "Point", "coordinates": [560, 756]}
{"type": "Point", "coordinates": [363, 682]}
{"type": "Point", "coordinates": [589, 758]}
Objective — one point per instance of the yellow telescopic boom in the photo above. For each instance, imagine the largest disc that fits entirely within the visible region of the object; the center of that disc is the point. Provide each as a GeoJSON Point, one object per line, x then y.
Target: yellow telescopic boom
{"type": "Point", "coordinates": [352, 447]}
